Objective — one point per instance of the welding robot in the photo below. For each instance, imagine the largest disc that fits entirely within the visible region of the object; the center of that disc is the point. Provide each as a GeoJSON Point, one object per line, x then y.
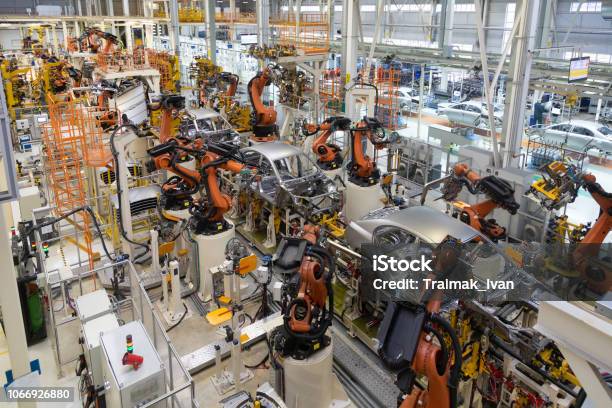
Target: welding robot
{"type": "Point", "coordinates": [329, 155]}
{"type": "Point", "coordinates": [304, 371]}
{"type": "Point", "coordinates": [263, 118]}
{"type": "Point", "coordinates": [499, 192]}
{"type": "Point", "coordinates": [363, 191]}
{"type": "Point", "coordinates": [559, 186]}
{"type": "Point", "coordinates": [93, 39]}
{"type": "Point", "coordinates": [212, 231]}
{"type": "Point", "coordinates": [412, 340]}
{"type": "Point", "coordinates": [170, 107]}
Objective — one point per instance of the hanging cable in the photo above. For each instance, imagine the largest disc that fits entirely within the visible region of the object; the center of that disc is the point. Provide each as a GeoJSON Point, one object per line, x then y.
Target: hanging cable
{"type": "Point", "coordinates": [115, 154]}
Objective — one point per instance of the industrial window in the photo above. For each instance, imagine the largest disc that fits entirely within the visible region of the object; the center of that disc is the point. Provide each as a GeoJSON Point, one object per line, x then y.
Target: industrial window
{"type": "Point", "coordinates": [303, 8]}
{"type": "Point", "coordinates": [465, 8]}
{"type": "Point", "coordinates": [368, 8]}
{"type": "Point", "coordinates": [586, 7]}
{"type": "Point", "coordinates": [508, 23]}
{"type": "Point", "coordinates": [463, 47]}
{"type": "Point", "coordinates": [394, 8]}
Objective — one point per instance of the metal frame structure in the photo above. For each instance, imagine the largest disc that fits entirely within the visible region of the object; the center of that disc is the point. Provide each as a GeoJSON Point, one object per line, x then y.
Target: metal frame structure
{"type": "Point", "coordinates": [6, 151]}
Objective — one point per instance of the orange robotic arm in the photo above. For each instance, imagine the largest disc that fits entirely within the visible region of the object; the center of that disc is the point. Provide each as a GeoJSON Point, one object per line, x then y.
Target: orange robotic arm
{"type": "Point", "coordinates": [362, 168]}
{"type": "Point", "coordinates": [232, 80]}
{"type": "Point", "coordinates": [329, 155]}
{"type": "Point", "coordinates": [406, 338]}
{"type": "Point", "coordinates": [263, 117]}
{"type": "Point", "coordinates": [170, 106]}
{"type": "Point", "coordinates": [499, 192]}
{"type": "Point", "coordinates": [217, 200]}
{"type": "Point", "coordinates": [208, 214]}
{"type": "Point", "coordinates": [599, 279]}
{"type": "Point", "coordinates": [307, 304]}
{"type": "Point", "coordinates": [167, 157]}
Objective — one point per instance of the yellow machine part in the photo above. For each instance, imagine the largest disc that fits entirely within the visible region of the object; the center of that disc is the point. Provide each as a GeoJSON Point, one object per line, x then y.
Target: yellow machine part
{"type": "Point", "coordinates": [156, 121]}
{"type": "Point", "coordinates": [549, 191]}
{"type": "Point", "coordinates": [239, 116]}
{"type": "Point", "coordinates": [333, 225]}
{"type": "Point", "coordinates": [472, 364]}
{"type": "Point", "coordinates": [247, 264]}
{"type": "Point", "coordinates": [221, 315]}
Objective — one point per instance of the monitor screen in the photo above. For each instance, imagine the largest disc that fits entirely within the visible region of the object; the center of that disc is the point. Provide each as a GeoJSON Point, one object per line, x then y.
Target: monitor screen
{"type": "Point", "coordinates": [579, 69]}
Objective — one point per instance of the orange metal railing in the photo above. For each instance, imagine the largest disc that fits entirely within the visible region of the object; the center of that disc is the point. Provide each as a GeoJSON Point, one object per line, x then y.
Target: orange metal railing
{"type": "Point", "coordinates": [65, 137]}
{"type": "Point", "coordinates": [387, 80]}
{"type": "Point", "coordinates": [309, 33]}
{"type": "Point", "coordinates": [121, 61]}
{"type": "Point", "coordinates": [97, 121]}
{"type": "Point", "coordinates": [330, 93]}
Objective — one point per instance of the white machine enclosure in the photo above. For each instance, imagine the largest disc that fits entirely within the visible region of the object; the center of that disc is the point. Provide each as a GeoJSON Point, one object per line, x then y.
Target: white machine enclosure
{"type": "Point", "coordinates": [132, 103]}
{"type": "Point", "coordinates": [127, 387]}
{"type": "Point", "coordinates": [92, 305]}
{"type": "Point", "coordinates": [29, 199]}
{"type": "Point", "coordinates": [91, 345]}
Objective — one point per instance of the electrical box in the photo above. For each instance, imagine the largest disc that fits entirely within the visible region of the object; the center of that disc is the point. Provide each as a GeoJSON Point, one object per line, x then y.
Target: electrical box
{"type": "Point", "coordinates": [126, 386]}
{"type": "Point", "coordinates": [92, 305]}
{"type": "Point", "coordinates": [22, 124]}
{"type": "Point", "coordinates": [91, 344]}
{"type": "Point", "coordinates": [29, 199]}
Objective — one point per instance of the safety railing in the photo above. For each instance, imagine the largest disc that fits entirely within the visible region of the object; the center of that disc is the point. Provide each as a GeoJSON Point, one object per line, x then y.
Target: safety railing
{"type": "Point", "coordinates": [180, 388]}
{"type": "Point", "coordinates": [308, 32]}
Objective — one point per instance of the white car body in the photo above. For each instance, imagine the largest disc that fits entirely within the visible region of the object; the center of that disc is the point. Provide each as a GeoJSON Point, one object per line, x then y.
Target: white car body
{"type": "Point", "coordinates": [407, 98]}
{"type": "Point", "coordinates": [471, 113]}
{"type": "Point", "coordinates": [578, 135]}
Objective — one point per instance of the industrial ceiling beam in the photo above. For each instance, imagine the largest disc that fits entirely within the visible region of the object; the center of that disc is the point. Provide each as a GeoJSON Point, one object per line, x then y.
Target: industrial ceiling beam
{"type": "Point", "coordinates": [519, 73]}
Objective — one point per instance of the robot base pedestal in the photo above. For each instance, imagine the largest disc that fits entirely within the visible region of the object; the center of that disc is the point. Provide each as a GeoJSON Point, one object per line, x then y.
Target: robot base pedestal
{"type": "Point", "coordinates": [172, 318]}
{"type": "Point", "coordinates": [211, 252]}
{"type": "Point", "coordinates": [224, 382]}
{"type": "Point", "coordinates": [310, 382]}
{"type": "Point", "coordinates": [361, 200]}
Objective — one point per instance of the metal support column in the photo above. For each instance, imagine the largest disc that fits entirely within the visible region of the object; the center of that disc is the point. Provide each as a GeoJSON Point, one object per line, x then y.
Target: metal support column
{"type": "Point", "coordinates": [65, 34]}
{"type": "Point", "coordinates": [11, 307]}
{"type": "Point", "coordinates": [174, 27]}
{"type": "Point", "coordinates": [330, 12]}
{"type": "Point", "coordinates": [110, 10]}
{"type": "Point", "coordinates": [54, 40]}
{"type": "Point", "coordinates": [129, 39]}
{"type": "Point", "coordinates": [352, 41]}
{"type": "Point", "coordinates": [445, 33]}
{"type": "Point", "coordinates": [148, 28]}
{"type": "Point", "coordinates": [518, 81]}
{"type": "Point", "coordinates": [211, 30]}
{"type": "Point", "coordinates": [263, 21]}
{"type": "Point", "coordinates": [232, 31]}
{"type": "Point", "coordinates": [380, 11]}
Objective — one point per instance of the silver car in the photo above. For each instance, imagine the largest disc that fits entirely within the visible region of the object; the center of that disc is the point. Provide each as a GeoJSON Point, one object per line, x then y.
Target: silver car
{"type": "Point", "coordinates": [288, 178]}
{"type": "Point", "coordinates": [578, 134]}
{"type": "Point", "coordinates": [413, 232]}
{"type": "Point", "coordinates": [407, 98]}
{"type": "Point", "coordinates": [471, 113]}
